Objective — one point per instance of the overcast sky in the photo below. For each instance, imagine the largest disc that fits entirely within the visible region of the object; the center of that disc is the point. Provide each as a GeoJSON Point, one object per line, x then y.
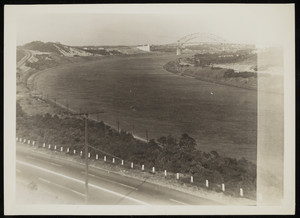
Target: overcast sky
{"type": "Point", "coordinates": [246, 24]}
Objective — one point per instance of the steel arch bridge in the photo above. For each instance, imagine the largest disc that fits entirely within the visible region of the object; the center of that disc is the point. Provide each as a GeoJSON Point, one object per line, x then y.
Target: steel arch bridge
{"type": "Point", "coordinates": [204, 37]}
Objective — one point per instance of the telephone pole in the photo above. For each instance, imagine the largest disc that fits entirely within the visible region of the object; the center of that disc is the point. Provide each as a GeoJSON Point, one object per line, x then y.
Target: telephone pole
{"type": "Point", "coordinates": [86, 159]}
{"type": "Point", "coordinates": [86, 147]}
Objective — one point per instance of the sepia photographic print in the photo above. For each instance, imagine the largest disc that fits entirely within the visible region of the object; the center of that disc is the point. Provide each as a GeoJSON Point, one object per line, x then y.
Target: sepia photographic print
{"type": "Point", "coordinates": [149, 109]}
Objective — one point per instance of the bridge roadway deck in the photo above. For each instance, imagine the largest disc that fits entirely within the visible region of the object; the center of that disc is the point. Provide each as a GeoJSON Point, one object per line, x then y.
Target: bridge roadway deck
{"type": "Point", "coordinates": [66, 179]}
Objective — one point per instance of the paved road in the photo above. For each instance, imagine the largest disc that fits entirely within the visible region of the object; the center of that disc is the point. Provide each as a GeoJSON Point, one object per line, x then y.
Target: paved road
{"type": "Point", "coordinates": [27, 56]}
{"type": "Point", "coordinates": [66, 178]}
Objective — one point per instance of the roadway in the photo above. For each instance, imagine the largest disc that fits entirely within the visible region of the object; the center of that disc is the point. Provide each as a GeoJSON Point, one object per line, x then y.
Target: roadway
{"type": "Point", "coordinates": [66, 178]}
{"type": "Point", "coordinates": [27, 56]}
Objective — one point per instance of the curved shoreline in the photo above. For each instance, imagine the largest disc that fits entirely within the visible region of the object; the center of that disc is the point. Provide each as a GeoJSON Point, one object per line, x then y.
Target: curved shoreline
{"type": "Point", "coordinates": [31, 80]}
{"type": "Point", "coordinates": [226, 84]}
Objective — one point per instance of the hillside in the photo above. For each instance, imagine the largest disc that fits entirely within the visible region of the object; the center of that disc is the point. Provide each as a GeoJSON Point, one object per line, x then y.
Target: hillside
{"type": "Point", "coordinates": [56, 48]}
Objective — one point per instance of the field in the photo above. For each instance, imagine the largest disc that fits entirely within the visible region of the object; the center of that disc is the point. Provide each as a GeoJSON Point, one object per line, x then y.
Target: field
{"type": "Point", "coordinates": [138, 92]}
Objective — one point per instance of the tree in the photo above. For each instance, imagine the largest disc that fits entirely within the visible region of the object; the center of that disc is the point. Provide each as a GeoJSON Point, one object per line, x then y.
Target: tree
{"type": "Point", "coordinates": [187, 144]}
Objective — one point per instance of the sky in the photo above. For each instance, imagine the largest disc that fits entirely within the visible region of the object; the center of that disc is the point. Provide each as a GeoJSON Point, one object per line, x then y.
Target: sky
{"type": "Point", "coordinates": [134, 25]}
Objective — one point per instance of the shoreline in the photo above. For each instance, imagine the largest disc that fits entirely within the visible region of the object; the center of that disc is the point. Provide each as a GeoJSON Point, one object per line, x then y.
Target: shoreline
{"type": "Point", "coordinates": [31, 80]}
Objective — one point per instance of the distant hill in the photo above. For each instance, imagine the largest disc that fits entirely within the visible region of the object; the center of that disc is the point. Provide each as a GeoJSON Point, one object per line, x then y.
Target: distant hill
{"type": "Point", "coordinates": [57, 48]}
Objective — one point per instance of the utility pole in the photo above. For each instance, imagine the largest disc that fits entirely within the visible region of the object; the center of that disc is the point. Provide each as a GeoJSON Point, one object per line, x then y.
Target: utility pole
{"type": "Point", "coordinates": [147, 136]}
{"type": "Point", "coordinates": [86, 146]}
{"type": "Point", "coordinates": [86, 159]}
{"type": "Point", "coordinates": [118, 123]}
{"type": "Point", "coordinates": [132, 129]}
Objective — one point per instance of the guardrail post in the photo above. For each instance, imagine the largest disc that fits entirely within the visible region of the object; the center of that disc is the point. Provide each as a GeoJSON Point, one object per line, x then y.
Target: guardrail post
{"type": "Point", "coordinates": [104, 158]}
{"type": "Point", "coordinates": [177, 175]}
{"type": "Point", "coordinates": [206, 183]}
{"type": "Point", "coordinates": [143, 167]}
{"type": "Point", "coordinates": [33, 142]}
{"type": "Point", "coordinates": [223, 187]}
{"type": "Point", "coordinates": [24, 141]}
{"type": "Point", "coordinates": [17, 139]}
{"type": "Point", "coordinates": [80, 153]}
{"type": "Point", "coordinates": [241, 192]}
{"type": "Point", "coordinates": [68, 150]}
{"type": "Point", "coordinates": [20, 139]}
{"type": "Point", "coordinates": [54, 147]}
{"type": "Point", "coordinates": [192, 179]}
{"type": "Point", "coordinates": [74, 151]}
{"type": "Point", "coordinates": [113, 160]}
{"type": "Point", "coordinates": [61, 148]}
{"type": "Point", "coordinates": [49, 146]}
{"type": "Point", "coordinates": [153, 169]}
{"type": "Point", "coordinates": [44, 144]}
{"type": "Point", "coordinates": [165, 173]}
{"type": "Point", "coordinates": [28, 142]}
{"type": "Point", "coordinates": [96, 156]}
{"type": "Point", "coordinates": [131, 164]}
{"type": "Point", "coordinates": [122, 162]}
{"type": "Point", "coordinates": [89, 155]}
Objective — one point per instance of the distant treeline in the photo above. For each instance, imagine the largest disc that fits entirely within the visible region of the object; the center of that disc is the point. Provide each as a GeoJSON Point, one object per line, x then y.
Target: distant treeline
{"type": "Point", "coordinates": [165, 153]}
{"type": "Point", "coordinates": [220, 58]}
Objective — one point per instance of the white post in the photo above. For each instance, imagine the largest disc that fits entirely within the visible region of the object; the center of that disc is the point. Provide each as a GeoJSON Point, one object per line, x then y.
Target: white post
{"type": "Point", "coordinates": [192, 179]}
{"type": "Point", "coordinates": [28, 142]}
{"type": "Point", "coordinates": [143, 167]}
{"type": "Point", "coordinates": [223, 187]}
{"type": "Point", "coordinates": [20, 139]}
{"type": "Point", "coordinates": [96, 156]}
{"type": "Point", "coordinates": [177, 175]}
{"type": "Point", "coordinates": [54, 147]}
{"type": "Point", "coordinates": [241, 192]}
{"type": "Point", "coordinates": [74, 151]}
{"type": "Point", "coordinates": [44, 145]}
{"type": "Point", "coordinates": [61, 148]}
{"type": "Point", "coordinates": [153, 169]}
{"type": "Point", "coordinates": [24, 141]}
{"type": "Point", "coordinates": [113, 160]}
{"type": "Point", "coordinates": [49, 146]}
{"type": "Point", "coordinates": [206, 183]}
{"type": "Point", "coordinates": [17, 139]}
{"type": "Point", "coordinates": [122, 162]}
{"type": "Point", "coordinates": [68, 150]}
{"type": "Point", "coordinates": [33, 142]}
{"type": "Point", "coordinates": [104, 158]}
{"type": "Point", "coordinates": [165, 173]}
{"type": "Point", "coordinates": [80, 153]}
{"type": "Point", "coordinates": [89, 155]}
{"type": "Point", "coordinates": [131, 164]}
